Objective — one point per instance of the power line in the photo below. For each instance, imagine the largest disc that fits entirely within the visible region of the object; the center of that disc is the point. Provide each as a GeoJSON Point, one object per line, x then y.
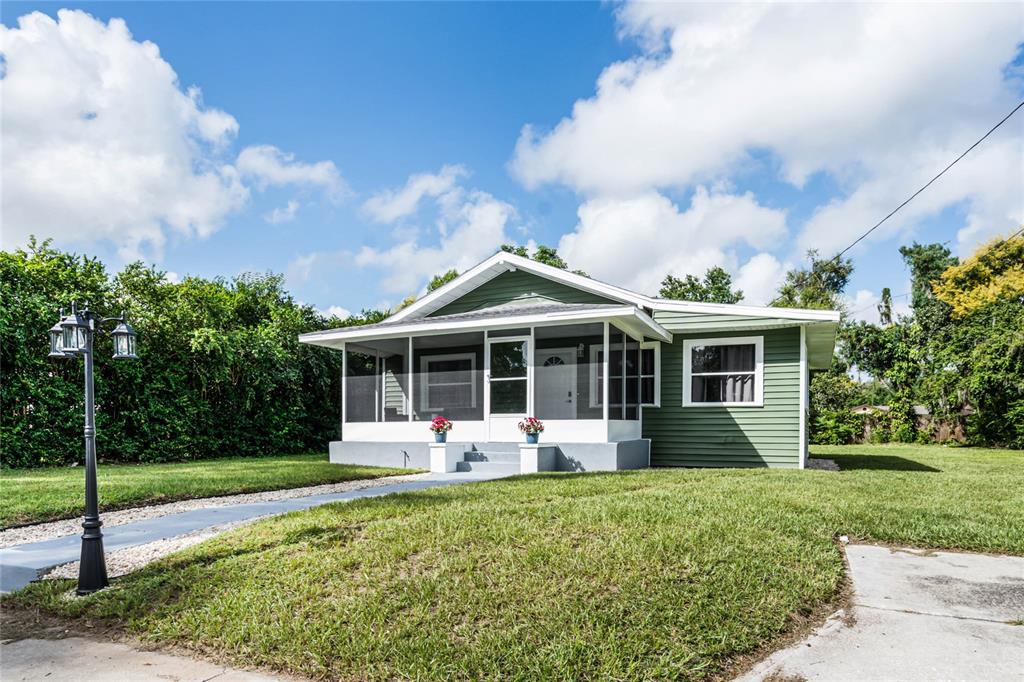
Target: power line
{"type": "Point", "coordinates": [927, 184]}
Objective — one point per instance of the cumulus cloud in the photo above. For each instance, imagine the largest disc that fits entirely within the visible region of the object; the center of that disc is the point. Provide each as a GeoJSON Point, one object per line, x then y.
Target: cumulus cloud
{"type": "Point", "coordinates": [336, 311]}
{"type": "Point", "coordinates": [879, 96]}
{"type": "Point", "coordinates": [283, 214]}
{"type": "Point", "coordinates": [390, 205]}
{"type": "Point", "coordinates": [268, 166]}
{"type": "Point", "coordinates": [635, 242]}
{"type": "Point", "coordinates": [470, 225]}
{"type": "Point", "coordinates": [102, 143]}
{"type": "Point", "coordinates": [760, 277]}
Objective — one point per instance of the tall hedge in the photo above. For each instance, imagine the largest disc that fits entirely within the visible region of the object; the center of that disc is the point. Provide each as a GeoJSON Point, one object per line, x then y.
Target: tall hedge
{"type": "Point", "coordinates": [220, 370]}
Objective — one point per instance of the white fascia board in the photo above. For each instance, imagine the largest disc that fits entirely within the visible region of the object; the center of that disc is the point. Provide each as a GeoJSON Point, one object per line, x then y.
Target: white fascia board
{"type": "Point", "coordinates": [626, 313]}
{"type": "Point", "coordinates": [734, 309]}
{"type": "Point", "coordinates": [503, 262]}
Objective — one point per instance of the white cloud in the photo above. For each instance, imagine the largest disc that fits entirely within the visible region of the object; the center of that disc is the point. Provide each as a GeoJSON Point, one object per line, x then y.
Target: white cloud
{"type": "Point", "coordinates": [266, 166]}
{"type": "Point", "coordinates": [470, 226]}
{"type": "Point", "coordinates": [392, 204]}
{"type": "Point", "coordinates": [284, 214]}
{"type": "Point", "coordinates": [635, 242]}
{"type": "Point", "coordinates": [760, 277]}
{"type": "Point", "coordinates": [172, 277]}
{"type": "Point", "coordinates": [336, 311]}
{"type": "Point", "coordinates": [102, 144]}
{"type": "Point", "coordinates": [881, 96]}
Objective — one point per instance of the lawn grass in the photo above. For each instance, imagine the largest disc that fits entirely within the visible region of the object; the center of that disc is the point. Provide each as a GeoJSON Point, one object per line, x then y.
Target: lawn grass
{"type": "Point", "coordinates": [628, 575]}
{"type": "Point", "coordinates": [35, 495]}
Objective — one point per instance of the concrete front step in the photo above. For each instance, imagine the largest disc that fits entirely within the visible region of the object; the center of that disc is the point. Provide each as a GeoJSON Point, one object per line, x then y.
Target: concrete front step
{"type": "Point", "coordinates": [496, 468]}
{"type": "Point", "coordinates": [490, 456]}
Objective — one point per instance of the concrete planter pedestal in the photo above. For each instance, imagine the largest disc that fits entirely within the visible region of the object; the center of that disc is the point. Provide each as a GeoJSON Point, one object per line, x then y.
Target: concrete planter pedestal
{"type": "Point", "coordinates": [534, 457]}
{"type": "Point", "coordinates": [444, 457]}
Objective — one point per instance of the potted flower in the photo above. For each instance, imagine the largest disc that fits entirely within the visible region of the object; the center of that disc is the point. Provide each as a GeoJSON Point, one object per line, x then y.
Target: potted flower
{"type": "Point", "coordinates": [532, 427]}
{"type": "Point", "coordinates": [441, 426]}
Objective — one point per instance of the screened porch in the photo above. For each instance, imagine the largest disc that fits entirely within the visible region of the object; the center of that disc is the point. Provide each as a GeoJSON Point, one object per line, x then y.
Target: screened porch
{"type": "Point", "coordinates": [586, 381]}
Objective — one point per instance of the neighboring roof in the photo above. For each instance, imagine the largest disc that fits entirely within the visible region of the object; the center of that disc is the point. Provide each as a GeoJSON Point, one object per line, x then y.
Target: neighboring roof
{"type": "Point", "coordinates": [630, 317]}
{"type": "Point", "coordinates": [502, 262]}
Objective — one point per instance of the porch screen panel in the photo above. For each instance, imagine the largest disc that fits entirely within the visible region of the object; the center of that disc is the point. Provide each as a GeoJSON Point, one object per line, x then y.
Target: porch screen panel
{"type": "Point", "coordinates": [361, 387]}
{"type": "Point", "coordinates": [448, 378]}
{"type": "Point", "coordinates": [508, 384]}
{"type": "Point", "coordinates": [395, 383]}
{"type": "Point", "coordinates": [567, 366]}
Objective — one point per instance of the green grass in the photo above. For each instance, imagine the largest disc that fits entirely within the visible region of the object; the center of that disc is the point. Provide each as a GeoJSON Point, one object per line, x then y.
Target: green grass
{"type": "Point", "coordinates": [630, 575]}
{"type": "Point", "coordinates": [35, 495]}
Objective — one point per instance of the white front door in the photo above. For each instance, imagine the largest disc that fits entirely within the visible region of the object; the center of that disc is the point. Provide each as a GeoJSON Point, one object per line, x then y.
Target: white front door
{"type": "Point", "coordinates": [555, 379]}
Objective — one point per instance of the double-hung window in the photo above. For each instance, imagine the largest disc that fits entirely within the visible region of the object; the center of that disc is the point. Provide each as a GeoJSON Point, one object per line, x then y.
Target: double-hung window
{"type": "Point", "coordinates": [727, 372]}
{"type": "Point", "coordinates": [448, 381]}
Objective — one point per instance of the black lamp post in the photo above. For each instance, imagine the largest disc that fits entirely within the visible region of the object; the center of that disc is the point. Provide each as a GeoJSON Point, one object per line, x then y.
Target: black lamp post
{"type": "Point", "coordinates": [72, 336]}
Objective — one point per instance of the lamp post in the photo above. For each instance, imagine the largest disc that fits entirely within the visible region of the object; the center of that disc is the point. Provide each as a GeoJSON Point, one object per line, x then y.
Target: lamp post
{"type": "Point", "coordinates": [74, 335]}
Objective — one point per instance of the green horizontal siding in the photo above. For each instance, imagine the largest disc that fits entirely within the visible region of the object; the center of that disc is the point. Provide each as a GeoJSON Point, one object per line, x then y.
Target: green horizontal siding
{"type": "Point", "coordinates": [698, 322]}
{"type": "Point", "coordinates": [518, 287]}
{"type": "Point", "coordinates": [727, 436]}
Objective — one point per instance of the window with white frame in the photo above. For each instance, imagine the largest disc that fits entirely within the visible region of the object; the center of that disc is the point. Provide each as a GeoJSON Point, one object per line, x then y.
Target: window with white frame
{"type": "Point", "coordinates": [650, 376]}
{"type": "Point", "coordinates": [446, 381]}
{"type": "Point", "coordinates": [728, 371]}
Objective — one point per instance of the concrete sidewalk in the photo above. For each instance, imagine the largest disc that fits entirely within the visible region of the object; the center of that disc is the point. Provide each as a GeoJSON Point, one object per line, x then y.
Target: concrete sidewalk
{"type": "Point", "coordinates": [75, 659]}
{"type": "Point", "coordinates": [21, 564]}
{"type": "Point", "coordinates": [916, 615]}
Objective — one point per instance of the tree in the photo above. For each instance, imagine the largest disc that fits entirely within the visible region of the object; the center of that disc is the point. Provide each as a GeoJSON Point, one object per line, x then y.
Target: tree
{"type": "Point", "coordinates": [885, 307]}
{"type": "Point", "coordinates": [221, 370]}
{"type": "Point", "coordinates": [994, 272]}
{"type": "Point", "coordinates": [820, 286]}
{"type": "Point", "coordinates": [438, 281]}
{"type": "Point", "coordinates": [543, 254]}
{"type": "Point", "coordinates": [927, 262]}
{"type": "Point", "coordinates": [716, 288]}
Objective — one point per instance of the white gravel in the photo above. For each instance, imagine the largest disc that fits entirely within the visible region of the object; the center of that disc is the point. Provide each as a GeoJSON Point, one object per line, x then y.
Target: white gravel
{"type": "Point", "coordinates": [56, 529]}
{"type": "Point", "coordinates": [123, 561]}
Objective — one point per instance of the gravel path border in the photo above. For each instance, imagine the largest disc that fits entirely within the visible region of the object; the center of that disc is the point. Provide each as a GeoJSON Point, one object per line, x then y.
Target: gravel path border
{"type": "Point", "coordinates": [56, 529]}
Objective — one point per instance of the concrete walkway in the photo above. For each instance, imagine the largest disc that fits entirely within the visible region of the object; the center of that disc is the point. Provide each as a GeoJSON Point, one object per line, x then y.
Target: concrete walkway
{"type": "Point", "coordinates": [916, 615]}
{"type": "Point", "coordinates": [21, 564]}
{"type": "Point", "coordinates": [75, 659]}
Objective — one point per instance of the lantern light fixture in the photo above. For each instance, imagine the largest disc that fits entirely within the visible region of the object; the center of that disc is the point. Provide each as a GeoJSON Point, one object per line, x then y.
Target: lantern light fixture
{"type": "Point", "coordinates": [76, 331]}
{"type": "Point", "coordinates": [57, 340]}
{"type": "Point", "coordinates": [124, 341]}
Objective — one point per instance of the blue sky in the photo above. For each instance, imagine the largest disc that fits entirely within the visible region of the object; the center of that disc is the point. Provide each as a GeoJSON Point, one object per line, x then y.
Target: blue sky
{"type": "Point", "coordinates": [707, 150]}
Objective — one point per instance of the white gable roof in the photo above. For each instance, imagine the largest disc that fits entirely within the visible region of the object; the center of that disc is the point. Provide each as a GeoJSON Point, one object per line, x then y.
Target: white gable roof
{"type": "Point", "coordinates": [503, 262]}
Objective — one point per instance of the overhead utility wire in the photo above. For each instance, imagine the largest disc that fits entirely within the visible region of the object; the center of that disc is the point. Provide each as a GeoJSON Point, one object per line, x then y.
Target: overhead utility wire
{"type": "Point", "coordinates": [926, 185]}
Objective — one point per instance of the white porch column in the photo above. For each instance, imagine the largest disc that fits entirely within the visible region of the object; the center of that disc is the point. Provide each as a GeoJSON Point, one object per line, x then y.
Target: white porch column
{"type": "Point", "coordinates": [344, 387]}
{"type": "Point", "coordinates": [530, 402]}
{"type": "Point", "coordinates": [605, 373]}
{"type": "Point", "coordinates": [412, 393]}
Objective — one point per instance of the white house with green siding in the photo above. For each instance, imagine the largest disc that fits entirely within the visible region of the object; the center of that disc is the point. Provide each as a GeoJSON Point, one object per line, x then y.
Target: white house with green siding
{"type": "Point", "coordinates": [621, 380]}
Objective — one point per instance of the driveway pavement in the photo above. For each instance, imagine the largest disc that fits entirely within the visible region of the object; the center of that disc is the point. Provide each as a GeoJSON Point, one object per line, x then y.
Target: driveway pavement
{"type": "Point", "coordinates": [916, 615]}
{"type": "Point", "coordinates": [21, 564]}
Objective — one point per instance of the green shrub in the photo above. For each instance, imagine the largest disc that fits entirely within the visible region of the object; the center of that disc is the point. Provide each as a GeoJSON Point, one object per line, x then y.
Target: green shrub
{"type": "Point", "coordinates": [220, 369]}
{"type": "Point", "coordinates": [837, 427]}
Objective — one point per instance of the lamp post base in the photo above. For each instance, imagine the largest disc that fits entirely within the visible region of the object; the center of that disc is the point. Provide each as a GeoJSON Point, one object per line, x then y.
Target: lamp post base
{"type": "Point", "coordinates": [92, 569]}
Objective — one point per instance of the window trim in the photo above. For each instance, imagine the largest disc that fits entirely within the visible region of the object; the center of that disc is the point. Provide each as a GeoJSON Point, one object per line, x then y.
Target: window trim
{"type": "Point", "coordinates": [424, 382]}
{"type": "Point", "coordinates": [656, 345]}
{"type": "Point", "coordinates": [758, 372]}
